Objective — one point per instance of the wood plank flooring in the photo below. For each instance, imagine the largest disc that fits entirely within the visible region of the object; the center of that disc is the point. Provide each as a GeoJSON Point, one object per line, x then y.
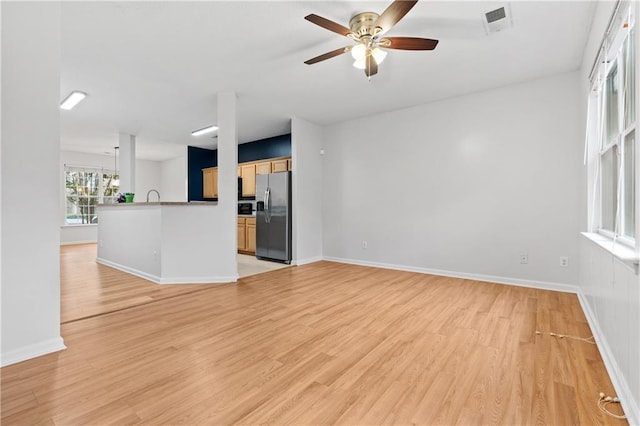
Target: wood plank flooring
{"type": "Point", "coordinates": [324, 343]}
{"type": "Point", "coordinates": [89, 288]}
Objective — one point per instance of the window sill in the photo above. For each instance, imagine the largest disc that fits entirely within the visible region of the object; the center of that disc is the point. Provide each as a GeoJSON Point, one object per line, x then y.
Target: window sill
{"type": "Point", "coordinates": [79, 225]}
{"type": "Point", "coordinates": [620, 251]}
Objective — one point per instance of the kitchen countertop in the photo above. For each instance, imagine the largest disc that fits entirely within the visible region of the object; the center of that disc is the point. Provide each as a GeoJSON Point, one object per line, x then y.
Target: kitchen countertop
{"type": "Point", "coordinates": [246, 215]}
{"type": "Point", "coordinates": [162, 203]}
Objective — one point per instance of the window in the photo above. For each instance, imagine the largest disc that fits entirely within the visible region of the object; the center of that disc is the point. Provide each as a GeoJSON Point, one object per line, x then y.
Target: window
{"type": "Point", "coordinates": [628, 198]}
{"type": "Point", "coordinates": [612, 127]}
{"type": "Point", "coordinates": [85, 187]}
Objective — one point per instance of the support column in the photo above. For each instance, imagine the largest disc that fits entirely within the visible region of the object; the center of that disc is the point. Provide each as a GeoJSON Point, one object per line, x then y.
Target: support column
{"type": "Point", "coordinates": [227, 149]}
{"type": "Point", "coordinates": [127, 145]}
{"type": "Point", "coordinates": [30, 258]}
{"type": "Point", "coordinates": [228, 172]}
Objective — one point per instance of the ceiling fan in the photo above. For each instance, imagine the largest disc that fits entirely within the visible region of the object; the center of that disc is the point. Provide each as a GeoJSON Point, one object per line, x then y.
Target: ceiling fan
{"type": "Point", "coordinates": [367, 29]}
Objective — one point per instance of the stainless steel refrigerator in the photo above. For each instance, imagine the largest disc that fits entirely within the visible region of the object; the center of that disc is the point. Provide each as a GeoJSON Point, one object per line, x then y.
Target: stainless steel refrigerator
{"type": "Point", "coordinates": [273, 217]}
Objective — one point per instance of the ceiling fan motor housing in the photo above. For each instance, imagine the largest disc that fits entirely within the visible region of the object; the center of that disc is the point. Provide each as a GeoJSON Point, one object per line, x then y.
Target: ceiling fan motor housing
{"type": "Point", "coordinates": [362, 24]}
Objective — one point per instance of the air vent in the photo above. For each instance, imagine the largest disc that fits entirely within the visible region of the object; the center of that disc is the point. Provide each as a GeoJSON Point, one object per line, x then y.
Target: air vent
{"type": "Point", "coordinates": [497, 20]}
{"type": "Point", "coordinates": [495, 15]}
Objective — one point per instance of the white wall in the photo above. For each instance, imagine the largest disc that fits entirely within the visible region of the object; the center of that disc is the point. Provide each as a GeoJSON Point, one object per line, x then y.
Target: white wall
{"type": "Point", "coordinates": [306, 143]}
{"type": "Point", "coordinates": [610, 296]}
{"type": "Point", "coordinates": [131, 236]}
{"type": "Point", "coordinates": [30, 185]}
{"type": "Point", "coordinates": [168, 244]}
{"type": "Point", "coordinates": [174, 179]}
{"type": "Point", "coordinates": [609, 289]}
{"type": "Point", "coordinates": [463, 186]}
{"type": "Point", "coordinates": [148, 176]}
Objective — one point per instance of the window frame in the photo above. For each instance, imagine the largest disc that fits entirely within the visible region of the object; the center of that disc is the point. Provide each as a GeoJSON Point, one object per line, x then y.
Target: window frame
{"type": "Point", "coordinates": [100, 197]}
{"type": "Point", "coordinates": [618, 61]}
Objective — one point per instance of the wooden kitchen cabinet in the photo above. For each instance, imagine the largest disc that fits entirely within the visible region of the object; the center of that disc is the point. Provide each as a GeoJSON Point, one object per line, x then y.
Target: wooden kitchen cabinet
{"type": "Point", "coordinates": [251, 234]}
{"type": "Point", "coordinates": [263, 168]}
{"type": "Point", "coordinates": [248, 172]}
{"type": "Point", "coordinates": [247, 235]}
{"type": "Point", "coordinates": [242, 234]}
{"type": "Point", "coordinates": [210, 182]}
{"type": "Point", "coordinates": [279, 166]}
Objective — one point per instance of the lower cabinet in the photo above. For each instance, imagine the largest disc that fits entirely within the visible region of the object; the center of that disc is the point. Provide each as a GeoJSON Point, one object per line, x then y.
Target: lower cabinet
{"type": "Point", "coordinates": [247, 235]}
{"type": "Point", "coordinates": [251, 234]}
{"type": "Point", "coordinates": [242, 234]}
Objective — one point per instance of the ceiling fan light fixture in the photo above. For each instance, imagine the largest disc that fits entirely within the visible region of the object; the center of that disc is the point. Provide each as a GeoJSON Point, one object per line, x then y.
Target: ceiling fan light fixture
{"type": "Point", "coordinates": [359, 52]}
{"type": "Point", "coordinates": [360, 64]}
{"type": "Point", "coordinates": [366, 30]}
{"type": "Point", "coordinates": [378, 54]}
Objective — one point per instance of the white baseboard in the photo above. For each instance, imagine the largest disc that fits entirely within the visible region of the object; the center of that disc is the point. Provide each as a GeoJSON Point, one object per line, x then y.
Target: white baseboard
{"type": "Point", "coordinates": [629, 405]}
{"type": "Point", "coordinates": [307, 261]}
{"type": "Point", "coordinates": [32, 351]}
{"type": "Point", "coordinates": [567, 288]}
{"type": "Point", "coordinates": [168, 280]}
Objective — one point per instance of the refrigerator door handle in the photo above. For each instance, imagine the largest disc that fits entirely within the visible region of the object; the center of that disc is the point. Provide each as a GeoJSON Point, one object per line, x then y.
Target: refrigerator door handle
{"type": "Point", "coordinates": [267, 205]}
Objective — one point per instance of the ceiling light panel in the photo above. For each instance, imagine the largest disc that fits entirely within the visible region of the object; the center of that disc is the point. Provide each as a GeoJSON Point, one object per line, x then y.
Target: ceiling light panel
{"type": "Point", "coordinates": [72, 100]}
{"type": "Point", "coordinates": [204, 130]}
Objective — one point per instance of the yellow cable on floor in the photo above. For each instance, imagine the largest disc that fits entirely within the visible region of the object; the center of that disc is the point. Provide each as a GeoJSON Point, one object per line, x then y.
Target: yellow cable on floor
{"type": "Point", "coordinates": [603, 401]}
{"type": "Point", "coordinates": [563, 336]}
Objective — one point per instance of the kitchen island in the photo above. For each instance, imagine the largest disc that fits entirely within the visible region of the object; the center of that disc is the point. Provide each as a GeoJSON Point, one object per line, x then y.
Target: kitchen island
{"type": "Point", "coordinates": [167, 242]}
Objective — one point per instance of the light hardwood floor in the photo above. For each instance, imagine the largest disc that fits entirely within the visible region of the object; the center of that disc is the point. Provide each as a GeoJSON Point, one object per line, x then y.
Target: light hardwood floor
{"type": "Point", "coordinates": [88, 288]}
{"type": "Point", "coordinates": [324, 343]}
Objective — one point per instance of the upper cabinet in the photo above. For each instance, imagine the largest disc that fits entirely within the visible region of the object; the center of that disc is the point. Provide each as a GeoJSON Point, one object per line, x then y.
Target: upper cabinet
{"type": "Point", "coordinates": [263, 168]}
{"type": "Point", "coordinates": [279, 165]}
{"type": "Point", "coordinates": [210, 182]}
{"type": "Point", "coordinates": [248, 174]}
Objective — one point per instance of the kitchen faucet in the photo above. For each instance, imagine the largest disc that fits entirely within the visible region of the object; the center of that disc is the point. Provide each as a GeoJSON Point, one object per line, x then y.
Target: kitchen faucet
{"type": "Point", "coordinates": [153, 190]}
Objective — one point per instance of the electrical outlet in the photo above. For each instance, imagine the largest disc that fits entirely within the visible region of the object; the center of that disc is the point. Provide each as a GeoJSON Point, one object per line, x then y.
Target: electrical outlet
{"type": "Point", "coordinates": [364, 245]}
{"type": "Point", "coordinates": [101, 244]}
{"type": "Point", "coordinates": [564, 261]}
{"type": "Point", "coordinates": [524, 258]}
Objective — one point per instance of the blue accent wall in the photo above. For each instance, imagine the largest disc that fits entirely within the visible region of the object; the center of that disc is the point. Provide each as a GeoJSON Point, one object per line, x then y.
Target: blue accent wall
{"type": "Point", "coordinates": [277, 146]}
{"type": "Point", "coordinates": [200, 158]}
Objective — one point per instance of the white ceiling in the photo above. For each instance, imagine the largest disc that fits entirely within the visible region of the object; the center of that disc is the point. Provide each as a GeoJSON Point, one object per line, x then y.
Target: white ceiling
{"type": "Point", "coordinates": [152, 69]}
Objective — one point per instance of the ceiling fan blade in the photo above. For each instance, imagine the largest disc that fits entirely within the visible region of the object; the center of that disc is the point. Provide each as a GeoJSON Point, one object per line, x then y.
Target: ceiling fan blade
{"type": "Point", "coordinates": [328, 55]}
{"type": "Point", "coordinates": [327, 24]}
{"type": "Point", "coordinates": [371, 67]}
{"type": "Point", "coordinates": [394, 13]}
{"type": "Point", "coordinates": [408, 43]}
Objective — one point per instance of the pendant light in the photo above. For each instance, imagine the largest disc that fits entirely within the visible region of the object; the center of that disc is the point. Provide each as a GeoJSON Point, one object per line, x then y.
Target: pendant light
{"type": "Point", "coordinates": [116, 177]}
